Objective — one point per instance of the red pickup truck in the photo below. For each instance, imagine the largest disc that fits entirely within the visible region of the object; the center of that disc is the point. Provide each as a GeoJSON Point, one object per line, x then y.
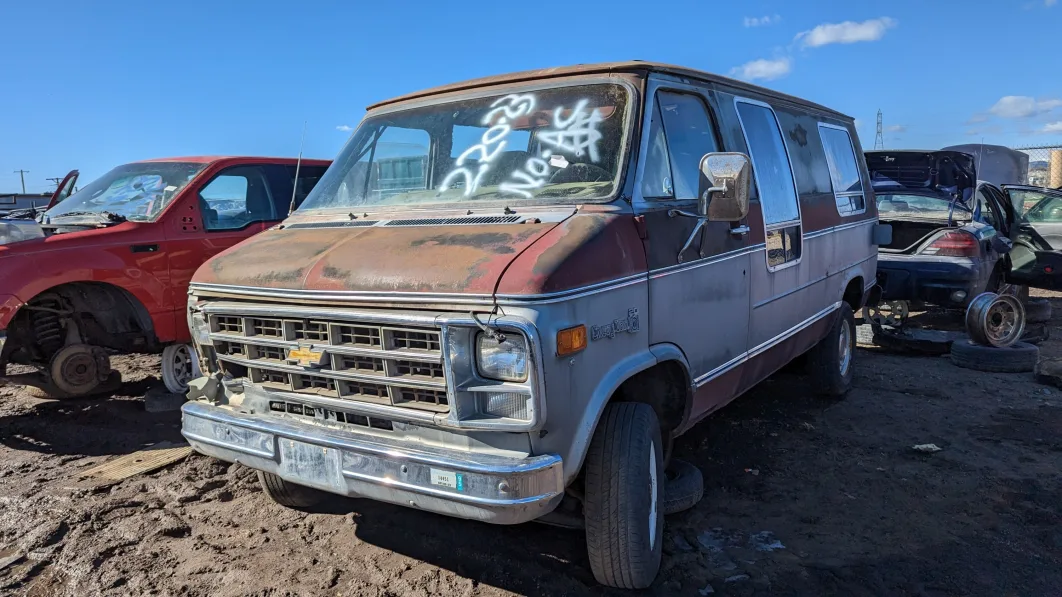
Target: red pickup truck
{"type": "Point", "coordinates": [108, 269]}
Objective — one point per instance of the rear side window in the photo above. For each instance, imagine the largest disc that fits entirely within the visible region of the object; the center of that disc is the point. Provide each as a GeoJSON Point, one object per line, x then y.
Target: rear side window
{"type": "Point", "coordinates": [844, 170]}
{"type": "Point", "coordinates": [679, 135]}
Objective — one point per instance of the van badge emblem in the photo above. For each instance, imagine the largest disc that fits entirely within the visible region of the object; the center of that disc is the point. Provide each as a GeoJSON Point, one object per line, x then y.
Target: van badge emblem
{"type": "Point", "coordinates": [629, 324]}
{"type": "Point", "coordinates": [306, 356]}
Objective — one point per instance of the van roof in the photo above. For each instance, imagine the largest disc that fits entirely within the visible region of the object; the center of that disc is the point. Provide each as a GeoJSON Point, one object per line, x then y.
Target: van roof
{"type": "Point", "coordinates": [630, 66]}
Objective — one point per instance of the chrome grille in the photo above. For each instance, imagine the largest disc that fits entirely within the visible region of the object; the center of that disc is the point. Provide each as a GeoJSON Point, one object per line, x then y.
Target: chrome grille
{"type": "Point", "coordinates": [348, 360]}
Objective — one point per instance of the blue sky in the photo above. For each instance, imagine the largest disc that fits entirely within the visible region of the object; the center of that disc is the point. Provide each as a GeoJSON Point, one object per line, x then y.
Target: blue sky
{"type": "Point", "coordinates": [93, 85]}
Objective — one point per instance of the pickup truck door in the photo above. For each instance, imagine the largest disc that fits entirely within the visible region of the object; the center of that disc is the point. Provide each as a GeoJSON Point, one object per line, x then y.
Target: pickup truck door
{"type": "Point", "coordinates": [1034, 215]}
{"type": "Point", "coordinates": [65, 189]}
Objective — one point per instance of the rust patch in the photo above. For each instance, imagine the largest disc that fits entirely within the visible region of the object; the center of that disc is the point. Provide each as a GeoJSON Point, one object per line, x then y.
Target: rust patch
{"type": "Point", "coordinates": [496, 242]}
{"type": "Point", "coordinates": [576, 232]}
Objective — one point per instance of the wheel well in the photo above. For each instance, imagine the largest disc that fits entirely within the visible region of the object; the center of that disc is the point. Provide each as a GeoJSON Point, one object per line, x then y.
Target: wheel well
{"type": "Point", "coordinates": [104, 315]}
{"type": "Point", "coordinates": [853, 293]}
{"type": "Point", "coordinates": [665, 387]}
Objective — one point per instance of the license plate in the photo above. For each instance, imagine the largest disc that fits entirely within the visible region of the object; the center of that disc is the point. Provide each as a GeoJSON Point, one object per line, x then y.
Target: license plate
{"type": "Point", "coordinates": [313, 465]}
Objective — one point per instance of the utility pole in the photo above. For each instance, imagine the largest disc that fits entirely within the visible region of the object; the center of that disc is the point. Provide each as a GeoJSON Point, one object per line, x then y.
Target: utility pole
{"type": "Point", "coordinates": [879, 141]}
{"type": "Point", "coordinates": [22, 175]}
{"type": "Point", "coordinates": [55, 181]}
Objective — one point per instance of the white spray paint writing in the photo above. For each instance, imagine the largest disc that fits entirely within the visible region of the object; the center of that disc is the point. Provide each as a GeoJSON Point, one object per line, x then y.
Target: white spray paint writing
{"type": "Point", "coordinates": [576, 135]}
{"type": "Point", "coordinates": [514, 106]}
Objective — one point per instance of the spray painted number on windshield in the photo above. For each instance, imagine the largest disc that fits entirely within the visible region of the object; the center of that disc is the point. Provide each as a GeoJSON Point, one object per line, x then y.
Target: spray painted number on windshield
{"type": "Point", "coordinates": [576, 135]}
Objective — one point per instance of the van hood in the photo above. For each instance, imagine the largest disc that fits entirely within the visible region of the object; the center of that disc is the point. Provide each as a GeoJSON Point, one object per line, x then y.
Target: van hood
{"type": "Point", "coordinates": [949, 175]}
{"type": "Point", "coordinates": [467, 259]}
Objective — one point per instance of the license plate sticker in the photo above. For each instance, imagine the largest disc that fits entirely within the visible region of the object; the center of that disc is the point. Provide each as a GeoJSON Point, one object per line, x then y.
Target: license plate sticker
{"type": "Point", "coordinates": [447, 479]}
{"type": "Point", "coordinates": [313, 465]}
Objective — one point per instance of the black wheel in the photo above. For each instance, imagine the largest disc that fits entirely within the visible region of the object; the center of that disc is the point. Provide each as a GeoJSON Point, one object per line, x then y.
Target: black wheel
{"type": "Point", "coordinates": [830, 361]}
{"type": "Point", "coordinates": [1016, 358]}
{"type": "Point", "coordinates": [685, 487]}
{"type": "Point", "coordinates": [286, 493]}
{"type": "Point", "coordinates": [624, 497]}
{"type": "Point", "coordinates": [1037, 310]}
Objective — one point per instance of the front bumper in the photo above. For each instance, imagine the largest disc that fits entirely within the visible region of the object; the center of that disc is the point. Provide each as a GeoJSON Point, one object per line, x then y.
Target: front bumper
{"type": "Point", "coordinates": [490, 488]}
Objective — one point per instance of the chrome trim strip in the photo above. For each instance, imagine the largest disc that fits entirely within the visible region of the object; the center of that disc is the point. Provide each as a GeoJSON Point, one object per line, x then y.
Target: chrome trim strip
{"type": "Point", "coordinates": [332, 373]}
{"type": "Point", "coordinates": [579, 290]}
{"type": "Point", "coordinates": [838, 228]}
{"type": "Point", "coordinates": [790, 291]}
{"type": "Point", "coordinates": [674, 269]}
{"type": "Point", "coordinates": [570, 295]}
{"type": "Point", "coordinates": [228, 446]}
{"type": "Point", "coordinates": [714, 373]}
{"type": "Point", "coordinates": [424, 319]}
{"type": "Point", "coordinates": [449, 495]}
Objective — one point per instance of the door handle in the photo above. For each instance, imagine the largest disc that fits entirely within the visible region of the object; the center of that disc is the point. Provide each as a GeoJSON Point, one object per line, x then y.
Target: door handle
{"type": "Point", "coordinates": [740, 230]}
{"type": "Point", "coordinates": [144, 248]}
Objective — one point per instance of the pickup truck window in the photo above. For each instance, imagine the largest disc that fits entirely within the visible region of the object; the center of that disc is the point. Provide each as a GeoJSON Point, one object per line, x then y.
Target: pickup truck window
{"type": "Point", "coordinates": [561, 143]}
{"type": "Point", "coordinates": [235, 198]}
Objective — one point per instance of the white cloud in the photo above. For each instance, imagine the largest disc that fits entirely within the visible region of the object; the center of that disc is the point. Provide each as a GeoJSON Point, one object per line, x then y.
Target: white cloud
{"type": "Point", "coordinates": [345, 128]}
{"type": "Point", "coordinates": [763, 69]}
{"type": "Point", "coordinates": [848, 32]}
{"type": "Point", "coordinates": [1021, 106]}
{"type": "Point", "coordinates": [1050, 3]}
{"type": "Point", "coordinates": [762, 21]}
{"type": "Point", "coordinates": [1052, 127]}
{"type": "Point", "coordinates": [897, 128]}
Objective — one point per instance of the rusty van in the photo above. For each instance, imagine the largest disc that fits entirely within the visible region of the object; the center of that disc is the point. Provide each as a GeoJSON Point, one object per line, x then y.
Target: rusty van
{"type": "Point", "coordinates": [506, 297]}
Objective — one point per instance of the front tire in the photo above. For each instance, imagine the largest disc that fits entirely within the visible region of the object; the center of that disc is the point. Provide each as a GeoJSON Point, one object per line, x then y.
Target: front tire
{"type": "Point", "coordinates": [288, 494]}
{"type": "Point", "coordinates": [830, 361]}
{"type": "Point", "coordinates": [624, 496]}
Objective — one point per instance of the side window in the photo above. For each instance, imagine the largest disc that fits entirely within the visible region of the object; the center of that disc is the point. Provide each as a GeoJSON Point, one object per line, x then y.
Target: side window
{"type": "Point", "coordinates": [1037, 207]}
{"type": "Point", "coordinates": [984, 210]}
{"type": "Point", "coordinates": [308, 176]}
{"type": "Point", "coordinates": [844, 170]}
{"type": "Point", "coordinates": [774, 183]}
{"type": "Point", "coordinates": [680, 133]}
{"type": "Point", "coordinates": [235, 198]}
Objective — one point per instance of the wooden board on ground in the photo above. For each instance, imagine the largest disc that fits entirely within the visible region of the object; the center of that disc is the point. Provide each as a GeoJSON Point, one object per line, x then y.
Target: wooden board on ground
{"type": "Point", "coordinates": [139, 462]}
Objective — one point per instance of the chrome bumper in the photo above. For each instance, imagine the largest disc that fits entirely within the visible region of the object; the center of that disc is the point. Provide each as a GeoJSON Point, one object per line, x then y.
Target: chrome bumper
{"type": "Point", "coordinates": [469, 485]}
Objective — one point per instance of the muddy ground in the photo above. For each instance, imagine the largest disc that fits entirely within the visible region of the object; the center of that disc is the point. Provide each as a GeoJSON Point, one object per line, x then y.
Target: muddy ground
{"type": "Point", "coordinates": [803, 497]}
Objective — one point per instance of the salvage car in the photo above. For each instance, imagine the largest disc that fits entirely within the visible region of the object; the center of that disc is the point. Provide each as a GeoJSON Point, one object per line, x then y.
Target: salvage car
{"type": "Point", "coordinates": [508, 296]}
{"type": "Point", "coordinates": [107, 268]}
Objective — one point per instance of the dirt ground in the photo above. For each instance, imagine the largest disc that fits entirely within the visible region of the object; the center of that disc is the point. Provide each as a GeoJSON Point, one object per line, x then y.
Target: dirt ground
{"type": "Point", "coordinates": [803, 497]}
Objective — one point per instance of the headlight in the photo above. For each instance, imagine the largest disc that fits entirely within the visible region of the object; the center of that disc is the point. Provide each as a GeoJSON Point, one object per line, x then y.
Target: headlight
{"type": "Point", "coordinates": [504, 361]}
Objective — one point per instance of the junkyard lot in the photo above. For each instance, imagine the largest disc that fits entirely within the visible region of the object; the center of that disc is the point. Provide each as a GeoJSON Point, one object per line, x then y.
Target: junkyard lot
{"type": "Point", "coordinates": [834, 482]}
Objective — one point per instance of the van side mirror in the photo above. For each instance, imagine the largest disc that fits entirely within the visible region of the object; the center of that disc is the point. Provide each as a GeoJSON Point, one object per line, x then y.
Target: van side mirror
{"type": "Point", "coordinates": [723, 195]}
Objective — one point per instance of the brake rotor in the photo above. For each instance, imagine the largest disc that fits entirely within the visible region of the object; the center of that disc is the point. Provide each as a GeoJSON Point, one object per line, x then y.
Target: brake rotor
{"type": "Point", "coordinates": [77, 369]}
{"type": "Point", "coordinates": [890, 313]}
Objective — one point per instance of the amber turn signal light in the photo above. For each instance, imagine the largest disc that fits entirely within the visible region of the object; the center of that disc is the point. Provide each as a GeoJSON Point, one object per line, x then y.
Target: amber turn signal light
{"type": "Point", "coordinates": [571, 340]}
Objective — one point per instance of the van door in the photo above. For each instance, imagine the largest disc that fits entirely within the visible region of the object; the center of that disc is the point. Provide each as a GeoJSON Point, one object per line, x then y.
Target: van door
{"type": "Point", "coordinates": [783, 292]}
{"type": "Point", "coordinates": [699, 300]}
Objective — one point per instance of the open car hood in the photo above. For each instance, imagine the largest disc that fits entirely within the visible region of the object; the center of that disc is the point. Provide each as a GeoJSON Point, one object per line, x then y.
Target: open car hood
{"type": "Point", "coordinates": [949, 175]}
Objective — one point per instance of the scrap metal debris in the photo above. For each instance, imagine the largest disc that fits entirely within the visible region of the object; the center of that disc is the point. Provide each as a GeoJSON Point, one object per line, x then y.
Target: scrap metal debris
{"type": "Point", "coordinates": [926, 448]}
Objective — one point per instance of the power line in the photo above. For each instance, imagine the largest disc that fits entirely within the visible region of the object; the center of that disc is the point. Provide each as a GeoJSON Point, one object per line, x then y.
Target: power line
{"type": "Point", "coordinates": [55, 181]}
{"type": "Point", "coordinates": [879, 141]}
{"type": "Point", "coordinates": [22, 176]}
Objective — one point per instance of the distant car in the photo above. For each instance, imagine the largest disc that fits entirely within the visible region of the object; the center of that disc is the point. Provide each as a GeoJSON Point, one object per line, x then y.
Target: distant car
{"type": "Point", "coordinates": [1040, 208]}
{"type": "Point", "coordinates": [107, 268]}
{"type": "Point", "coordinates": [954, 237]}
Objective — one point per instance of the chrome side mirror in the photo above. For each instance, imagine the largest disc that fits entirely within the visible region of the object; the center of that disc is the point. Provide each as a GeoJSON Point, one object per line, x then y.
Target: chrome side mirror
{"type": "Point", "coordinates": [723, 195]}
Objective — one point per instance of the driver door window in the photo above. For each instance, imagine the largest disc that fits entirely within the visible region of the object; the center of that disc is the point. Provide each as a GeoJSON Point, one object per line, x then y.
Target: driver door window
{"type": "Point", "coordinates": [679, 136]}
{"type": "Point", "coordinates": [236, 198]}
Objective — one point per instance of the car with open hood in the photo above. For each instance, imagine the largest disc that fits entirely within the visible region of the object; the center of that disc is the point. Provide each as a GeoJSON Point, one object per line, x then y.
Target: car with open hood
{"type": "Point", "coordinates": [954, 236]}
{"type": "Point", "coordinates": [506, 297]}
{"type": "Point", "coordinates": [106, 268]}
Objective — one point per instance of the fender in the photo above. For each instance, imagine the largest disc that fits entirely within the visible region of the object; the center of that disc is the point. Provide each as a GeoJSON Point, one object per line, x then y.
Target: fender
{"type": "Point", "coordinates": [620, 372]}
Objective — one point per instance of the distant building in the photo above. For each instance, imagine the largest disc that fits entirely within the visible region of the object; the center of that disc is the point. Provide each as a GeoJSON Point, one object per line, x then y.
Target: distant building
{"type": "Point", "coordinates": [12, 201]}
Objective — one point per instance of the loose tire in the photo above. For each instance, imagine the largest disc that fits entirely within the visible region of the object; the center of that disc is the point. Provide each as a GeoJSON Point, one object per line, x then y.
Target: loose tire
{"type": "Point", "coordinates": [685, 487]}
{"type": "Point", "coordinates": [1037, 311]}
{"type": "Point", "coordinates": [624, 497]}
{"type": "Point", "coordinates": [1019, 357]}
{"type": "Point", "coordinates": [286, 493]}
{"type": "Point", "coordinates": [830, 361]}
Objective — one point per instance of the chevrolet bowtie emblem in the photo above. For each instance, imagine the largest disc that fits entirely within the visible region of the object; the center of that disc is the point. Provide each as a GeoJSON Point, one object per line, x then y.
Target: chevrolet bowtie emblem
{"type": "Point", "coordinates": [305, 356]}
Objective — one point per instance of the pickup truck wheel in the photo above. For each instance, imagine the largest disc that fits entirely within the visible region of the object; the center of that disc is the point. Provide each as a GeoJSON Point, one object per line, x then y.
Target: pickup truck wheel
{"type": "Point", "coordinates": [288, 494]}
{"type": "Point", "coordinates": [623, 505]}
{"type": "Point", "coordinates": [830, 361]}
{"type": "Point", "coordinates": [78, 370]}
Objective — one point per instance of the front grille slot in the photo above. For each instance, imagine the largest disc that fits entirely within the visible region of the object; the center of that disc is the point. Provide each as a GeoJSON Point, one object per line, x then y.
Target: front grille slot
{"type": "Point", "coordinates": [327, 414]}
{"type": "Point", "coordinates": [414, 340]}
{"type": "Point", "coordinates": [357, 361]}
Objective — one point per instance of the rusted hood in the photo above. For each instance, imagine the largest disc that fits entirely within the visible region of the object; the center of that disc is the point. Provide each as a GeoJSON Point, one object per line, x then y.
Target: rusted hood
{"type": "Point", "coordinates": [441, 259]}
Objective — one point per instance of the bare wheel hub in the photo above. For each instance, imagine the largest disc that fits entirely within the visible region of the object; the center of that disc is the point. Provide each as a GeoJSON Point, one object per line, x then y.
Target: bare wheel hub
{"type": "Point", "coordinates": [77, 369]}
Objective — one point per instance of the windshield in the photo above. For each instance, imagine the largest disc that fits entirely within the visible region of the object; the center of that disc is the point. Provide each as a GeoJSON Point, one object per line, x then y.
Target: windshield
{"type": "Point", "coordinates": [562, 143]}
{"type": "Point", "coordinates": [917, 206]}
{"type": "Point", "coordinates": [136, 191]}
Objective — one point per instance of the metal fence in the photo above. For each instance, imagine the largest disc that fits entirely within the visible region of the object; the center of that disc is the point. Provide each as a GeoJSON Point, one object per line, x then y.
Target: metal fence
{"type": "Point", "coordinates": [1045, 165]}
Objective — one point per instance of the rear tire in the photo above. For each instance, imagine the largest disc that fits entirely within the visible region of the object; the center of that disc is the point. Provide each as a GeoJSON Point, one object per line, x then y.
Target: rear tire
{"type": "Point", "coordinates": [1019, 357]}
{"type": "Point", "coordinates": [288, 494]}
{"type": "Point", "coordinates": [624, 497]}
{"type": "Point", "coordinates": [830, 361]}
